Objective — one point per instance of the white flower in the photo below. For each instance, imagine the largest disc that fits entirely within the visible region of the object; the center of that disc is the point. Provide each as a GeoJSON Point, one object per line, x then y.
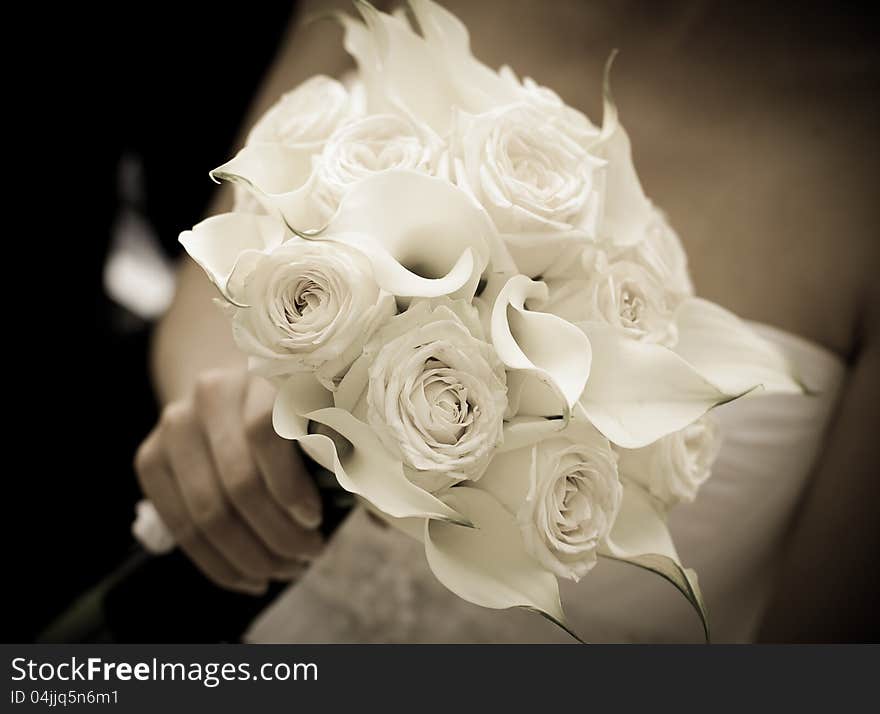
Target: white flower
{"type": "Point", "coordinates": [394, 62]}
{"type": "Point", "coordinates": [661, 253]}
{"type": "Point", "coordinates": [305, 116]}
{"type": "Point", "coordinates": [673, 468]}
{"type": "Point", "coordinates": [624, 294]}
{"type": "Point", "coordinates": [576, 499]}
{"type": "Point", "coordinates": [536, 182]}
{"type": "Point", "coordinates": [620, 293]}
{"type": "Point", "coordinates": [368, 146]}
{"type": "Point", "coordinates": [436, 395]}
{"type": "Point", "coordinates": [568, 119]}
{"type": "Point", "coordinates": [527, 173]}
{"type": "Point", "coordinates": [565, 494]}
{"type": "Point", "coordinates": [309, 306]}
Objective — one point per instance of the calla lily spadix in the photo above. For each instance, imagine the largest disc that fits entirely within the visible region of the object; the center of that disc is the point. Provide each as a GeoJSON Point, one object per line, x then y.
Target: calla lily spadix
{"type": "Point", "coordinates": [475, 316]}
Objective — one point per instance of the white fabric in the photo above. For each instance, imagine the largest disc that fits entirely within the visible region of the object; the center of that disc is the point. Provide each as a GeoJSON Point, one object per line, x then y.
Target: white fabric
{"type": "Point", "coordinates": [731, 535]}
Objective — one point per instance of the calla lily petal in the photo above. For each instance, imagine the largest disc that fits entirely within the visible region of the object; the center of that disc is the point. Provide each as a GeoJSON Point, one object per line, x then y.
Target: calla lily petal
{"type": "Point", "coordinates": [449, 40]}
{"type": "Point", "coordinates": [402, 66]}
{"type": "Point", "coordinates": [728, 353]}
{"type": "Point", "coordinates": [280, 177]}
{"type": "Point", "coordinates": [412, 527]}
{"type": "Point", "coordinates": [527, 431]}
{"type": "Point", "coordinates": [489, 565]}
{"type": "Point", "coordinates": [640, 537]}
{"type": "Point", "coordinates": [509, 477]}
{"type": "Point", "coordinates": [556, 352]}
{"type": "Point", "coordinates": [369, 471]}
{"type": "Point", "coordinates": [299, 395]}
{"type": "Point", "coordinates": [424, 237]}
{"type": "Point", "coordinates": [363, 466]}
{"type": "Point", "coordinates": [638, 391]}
{"type": "Point", "coordinates": [230, 243]}
{"type": "Point", "coordinates": [627, 210]}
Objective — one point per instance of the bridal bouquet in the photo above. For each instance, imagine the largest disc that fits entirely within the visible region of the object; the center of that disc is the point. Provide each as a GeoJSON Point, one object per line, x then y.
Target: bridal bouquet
{"type": "Point", "coordinates": [475, 317]}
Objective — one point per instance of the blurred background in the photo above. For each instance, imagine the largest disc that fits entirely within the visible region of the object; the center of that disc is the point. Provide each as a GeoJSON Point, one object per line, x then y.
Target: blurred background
{"type": "Point", "coordinates": [141, 101]}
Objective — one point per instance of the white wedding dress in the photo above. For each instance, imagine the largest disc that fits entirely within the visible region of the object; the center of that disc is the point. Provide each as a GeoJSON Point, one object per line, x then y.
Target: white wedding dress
{"type": "Point", "coordinates": [373, 585]}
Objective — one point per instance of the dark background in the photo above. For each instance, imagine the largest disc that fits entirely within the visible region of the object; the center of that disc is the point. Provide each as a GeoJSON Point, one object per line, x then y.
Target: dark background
{"type": "Point", "coordinates": [168, 84]}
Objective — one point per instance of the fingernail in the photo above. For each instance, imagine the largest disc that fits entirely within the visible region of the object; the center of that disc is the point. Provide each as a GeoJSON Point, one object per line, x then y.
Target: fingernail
{"type": "Point", "coordinates": [307, 515]}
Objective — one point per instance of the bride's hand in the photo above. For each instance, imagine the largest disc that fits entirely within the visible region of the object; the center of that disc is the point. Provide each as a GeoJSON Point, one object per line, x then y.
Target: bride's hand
{"type": "Point", "coordinates": [235, 496]}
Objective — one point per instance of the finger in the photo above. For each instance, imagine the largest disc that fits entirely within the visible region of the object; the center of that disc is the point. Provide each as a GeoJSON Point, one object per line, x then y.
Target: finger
{"type": "Point", "coordinates": [279, 461]}
{"type": "Point", "coordinates": [239, 473]}
{"type": "Point", "coordinates": [194, 473]}
{"type": "Point", "coordinates": [158, 486]}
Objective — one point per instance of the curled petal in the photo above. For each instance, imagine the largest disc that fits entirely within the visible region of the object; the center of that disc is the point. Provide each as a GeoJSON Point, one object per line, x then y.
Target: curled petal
{"type": "Point", "coordinates": [545, 346]}
{"type": "Point", "coordinates": [230, 243]}
{"type": "Point", "coordinates": [413, 527]}
{"type": "Point", "coordinates": [488, 565]}
{"type": "Point", "coordinates": [638, 391]}
{"type": "Point", "coordinates": [362, 466]}
{"type": "Point", "coordinates": [424, 237]}
{"type": "Point", "coordinates": [626, 208]}
{"type": "Point", "coordinates": [280, 177]}
{"type": "Point", "coordinates": [480, 88]}
{"type": "Point", "coordinates": [401, 68]}
{"type": "Point", "coordinates": [521, 431]}
{"type": "Point", "coordinates": [640, 537]}
{"type": "Point", "coordinates": [728, 353]}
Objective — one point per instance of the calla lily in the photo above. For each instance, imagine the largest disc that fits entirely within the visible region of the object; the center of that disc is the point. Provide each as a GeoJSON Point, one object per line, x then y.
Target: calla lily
{"type": "Point", "coordinates": [362, 465]}
{"type": "Point", "coordinates": [280, 177]}
{"type": "Point", "coordinates": [540, 346]}
{"type": "Point", "coordinates": [424, 76]}
{"type": "Point", "coordinates": [489, 565]}
{"type": "Point", "coordinates": [226, 244]}
{"type": "Point", "coordinates": [399, 68]}
{"type": "Point", "coordinates": [728, 353]}
{"type": "Point", "coordinates": [423, 236]}
{"type": "Point", "coordinates": [478, 86]}
{"type": "Point", "coordinates": [638, 391]}
{"type": "Point", "coordinates": [640, 537]}
{"type": "Point", "coordinates": [627, 210]}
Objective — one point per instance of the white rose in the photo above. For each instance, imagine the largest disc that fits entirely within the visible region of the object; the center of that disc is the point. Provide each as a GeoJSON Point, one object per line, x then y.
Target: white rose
{"type": "Point", "coordinates": [306, 116]}
{"type": "Point", "coordinates": [661, 253]}
{"type": "Point", "coordinates": [619, 293]}
{"type": "Point", "coordinates": [371, 145]}
{"type": "Point", "coordinates": [310, 306]}
{"type": "Point", "coordinates": [527, 173]}
{"type": "Point", "coordinates": [565, 494]}
{"type": "Point", "coordinates": [674, 467]}
{"type": "Point", "coordinates": [437, 392]}
{"type": "Point", "coordinates": [573, 122]}
{"type": "Point", "coordinates": [532, 177]}
{"type": "Point", "coordinates": [624, 294]}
